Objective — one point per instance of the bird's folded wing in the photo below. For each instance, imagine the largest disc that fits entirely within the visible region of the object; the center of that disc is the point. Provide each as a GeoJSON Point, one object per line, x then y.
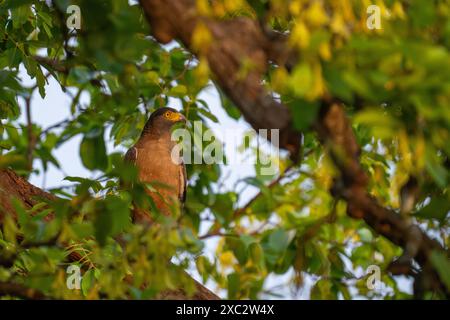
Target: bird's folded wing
{"type": "Point", "coordinates": [131, 155]}
{"type": "Point", "coordinates": [183, 183]}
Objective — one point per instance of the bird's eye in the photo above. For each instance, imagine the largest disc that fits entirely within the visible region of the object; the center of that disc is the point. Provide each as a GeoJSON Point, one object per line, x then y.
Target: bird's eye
{"type": "Point", "coordinates": [167, 114]}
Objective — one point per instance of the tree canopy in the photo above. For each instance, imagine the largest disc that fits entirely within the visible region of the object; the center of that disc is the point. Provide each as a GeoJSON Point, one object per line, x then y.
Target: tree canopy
{"type": "Point", "coordinates": [359, 92]}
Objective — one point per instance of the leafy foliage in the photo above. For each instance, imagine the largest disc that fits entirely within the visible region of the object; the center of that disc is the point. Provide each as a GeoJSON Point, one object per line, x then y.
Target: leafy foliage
{"type": "Point", "coordinates": [394, 82]}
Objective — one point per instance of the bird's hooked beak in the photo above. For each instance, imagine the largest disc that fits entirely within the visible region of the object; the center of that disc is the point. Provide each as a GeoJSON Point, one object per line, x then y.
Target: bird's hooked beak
{"type": "Point", "coordinates": [178, 117]}
{"type": "Point", "coordinates": [182, 118]}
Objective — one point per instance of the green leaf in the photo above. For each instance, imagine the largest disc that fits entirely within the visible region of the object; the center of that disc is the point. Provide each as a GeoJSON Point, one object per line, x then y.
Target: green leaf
{"type": "Point", "coordinates": [103, 225]}
{"type": "Point", "coordinates": [229, 107]}
{"type": "Point", "coordinates": [20, 16]}
{"type": "Point", "coordinates": [209, 115]}
{"type": "Point", "coordinates": [239, 249]}
{"type": "Point", "coordinates": [336, 84]}
{"type": "Point", "coordinates": [260, 7]}
{"type": "Point", "coordinates": [95, 185]}
{"type": "Point", "coordinates": [435, 169]}
{"type": "Point", "coordinates": [442, 264]}
{"type": "Point", "coordinates": [22, 214]}
{"type": "Point", "coordinates": [301, 80]}
{"type": "Point", "coordinates": [438, 208]}
{"type": "Point", "coordinates": [31, 66]}
{"type": "Point", "coordinates": [257, 254]}
{"type": "Point", "coordinates": [365, 235]}
{"type": "Point", "coordinates": [278, 240]}
{"type": "Point", "coordinates": [87, 281]}
{"type": "Point", "coordinates": [93, 150]}
{"type": "Point", "coordinates": [223, 207]}
{"type": "Point", "coordinates": [322, 290]}
{"type": "Point", "coordinates": [179, 91]}
{"type": "Point", "coordinates": [40, 79]}
{"type": "Point", "coordinates": [80, 75]}
{"type": "Point", "coordinates": [233, 285]}
{"type": "Point", "coordinates": [304, 113]}
{"type": "Point", "coordinates": [358, 83]}
{"type": "Point", "coordinates": [113, 216]}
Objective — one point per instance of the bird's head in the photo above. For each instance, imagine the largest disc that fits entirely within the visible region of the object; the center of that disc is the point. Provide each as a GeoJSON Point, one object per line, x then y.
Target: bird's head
{"type": "Point", "coordinates": [163, 119]}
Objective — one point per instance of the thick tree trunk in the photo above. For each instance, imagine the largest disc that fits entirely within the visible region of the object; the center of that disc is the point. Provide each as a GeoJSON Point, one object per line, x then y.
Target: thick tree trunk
{"type": "Point", "coordinates": [12, 186]}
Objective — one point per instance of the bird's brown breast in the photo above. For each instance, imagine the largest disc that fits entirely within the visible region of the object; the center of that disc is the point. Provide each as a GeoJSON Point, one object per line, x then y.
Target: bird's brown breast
{"type": "Point", "coordinates": [156, 167]}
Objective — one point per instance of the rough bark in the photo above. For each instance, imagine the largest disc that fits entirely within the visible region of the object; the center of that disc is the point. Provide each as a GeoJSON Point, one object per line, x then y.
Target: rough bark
{"type": "Point", "coordinates": [239, 40]}
{"type": "Point", "coordinates": [13, 186]}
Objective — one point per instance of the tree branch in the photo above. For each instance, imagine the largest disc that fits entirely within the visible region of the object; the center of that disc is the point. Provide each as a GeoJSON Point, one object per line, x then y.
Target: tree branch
{"type": "Point", "coordinates": [20, 291]}
{"type": "Point", "coordinates": [235, 42]}
{"type": "Point", "coordinates": [11, 185]}
{"type": "Point", "coordinates": [52, 64]}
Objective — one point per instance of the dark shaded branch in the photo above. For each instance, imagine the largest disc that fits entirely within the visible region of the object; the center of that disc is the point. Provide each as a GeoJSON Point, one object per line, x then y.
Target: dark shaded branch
{"type": "Point", "coordinates": [7, 262]}
{"type": "Point", "coordinates": [20, 291]}
{"type": "Point", "coordinates": [12, 186]}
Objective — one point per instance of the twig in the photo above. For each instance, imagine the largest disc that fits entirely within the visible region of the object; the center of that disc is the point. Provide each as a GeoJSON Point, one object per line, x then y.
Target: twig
{"type": "Point", "coordinates": [239, 212]}
{"type": "Point", "coordinates": [54, 126]}
{"type": "Point", "coordinates": [55, 64]}
{"type": "Point", "coordinates": [217, 233]}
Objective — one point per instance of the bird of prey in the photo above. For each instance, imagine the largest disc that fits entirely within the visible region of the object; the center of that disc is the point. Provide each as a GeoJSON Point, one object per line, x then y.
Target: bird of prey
{"type": "Point", "coordinates": [152, 155]}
